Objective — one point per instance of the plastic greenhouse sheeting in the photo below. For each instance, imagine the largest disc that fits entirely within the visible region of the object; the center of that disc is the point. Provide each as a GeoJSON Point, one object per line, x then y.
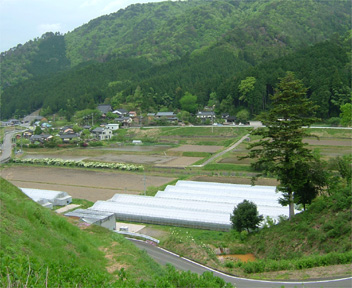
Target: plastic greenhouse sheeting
{"type": "Point", "coordinates": [166, 216]}
{"type": "Point", "coordinates": [273, 211]}
{"type": "Point", "coordinates": [173, 203]}
{"type": "Point", "coordinates": [193, 204]}
{"type": "Point", "coordinates": [55, 197]}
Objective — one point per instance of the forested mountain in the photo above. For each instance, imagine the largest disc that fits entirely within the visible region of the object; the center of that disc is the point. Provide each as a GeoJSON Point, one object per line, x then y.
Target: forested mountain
{"type": "Point", "coordinates": [150, 55]}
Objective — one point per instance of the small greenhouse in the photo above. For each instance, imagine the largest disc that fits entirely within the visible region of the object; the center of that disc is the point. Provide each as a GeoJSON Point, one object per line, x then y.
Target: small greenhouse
{"type": "Point", "coordinates": [56, 198]}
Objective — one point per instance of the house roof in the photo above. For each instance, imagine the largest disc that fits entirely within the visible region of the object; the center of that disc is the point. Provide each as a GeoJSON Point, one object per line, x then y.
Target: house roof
{"type": "Point", "coordinates": [69, 136]}
{"type": "Point", "coordinates": [120, 111]}
{"type": "Point", "coordinates": [205, 113]}
{"type": "Point", "coordinates": [165, 114]}
{"type": "Point", "coordinates": [98, 129]}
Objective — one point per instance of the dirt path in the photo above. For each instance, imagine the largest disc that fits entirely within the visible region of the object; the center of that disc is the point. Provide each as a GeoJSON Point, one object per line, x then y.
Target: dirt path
{"type": "Point", "coordinates": [81, 184]}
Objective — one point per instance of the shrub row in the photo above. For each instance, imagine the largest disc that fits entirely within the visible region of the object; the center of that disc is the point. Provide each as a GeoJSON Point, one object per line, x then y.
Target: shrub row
{"type": "Point", "coordinates": [74, 163]}
{"type": "Point", "coordinates": [298, 264]}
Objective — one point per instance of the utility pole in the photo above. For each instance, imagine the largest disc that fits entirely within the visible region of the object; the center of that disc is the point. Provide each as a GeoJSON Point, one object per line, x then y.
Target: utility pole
{"type": "Point", "coordinates": [145, 190]}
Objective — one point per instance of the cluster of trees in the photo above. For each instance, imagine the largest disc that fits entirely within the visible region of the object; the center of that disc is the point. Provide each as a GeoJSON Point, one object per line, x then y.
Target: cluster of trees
{"type": "Point", "coordinates": [215, 77]}
{"type": "Point", "coordinates": [281, 152]}
{"type": "Point", "coordinates": [206, 48]}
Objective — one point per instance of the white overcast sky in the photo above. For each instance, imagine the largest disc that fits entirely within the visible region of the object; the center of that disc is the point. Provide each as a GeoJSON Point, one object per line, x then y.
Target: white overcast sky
{"type": "Point", "coordinates": [24, 20]}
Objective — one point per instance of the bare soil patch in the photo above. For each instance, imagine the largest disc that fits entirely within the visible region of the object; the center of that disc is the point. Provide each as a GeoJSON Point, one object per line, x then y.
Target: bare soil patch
{"type": "Point", "coordinates": [135, 159]}
{"type": "Point", "coordinates": [236, 180]}
{"type": "Point", "coordinates": [179, 162]}
{"type": "Point", "coordinates": [328, 142]}
{"type": "Point", "coordinates": [197, 148]}
{"type": "Point", "coordinates": [79, 183]}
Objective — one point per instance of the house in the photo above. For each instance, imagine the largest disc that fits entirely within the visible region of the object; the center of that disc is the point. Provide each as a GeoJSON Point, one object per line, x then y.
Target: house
{"type": "Point", "coordinates": [228, 118]}
{"type": "Point", "coordinates": [67, 137]}
{"type": "Point", "coordinates": [112, 127]}
{"type": "Point", "coordinates": [168, 116]}
{"type": "Point", "coordinates": [39, 138]}
{"type": "Point", "coordinates": [206, 115]}
{"type": "Point", "coordinates": [102, 133]}
{"type": "Point", "coordinates": [165, 115]}
{"type": "Point", "coordinates": [104, 109]}
{"type": "Point", "coordinates": [132, 114]}
{"type": "Point", "coordinates": [120, 112]}
{"type": "Point", "coordinates": [124, 121]}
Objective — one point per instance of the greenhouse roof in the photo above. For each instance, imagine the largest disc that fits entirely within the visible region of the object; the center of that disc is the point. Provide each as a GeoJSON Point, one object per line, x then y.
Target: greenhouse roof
{"type": "Point", "coordinates": [37, 194]}
{"type": "Point", "coordinates": [181, 204]}
{"type": "Point", "coordinates": [164, 215]}
{"type": "Point", "coordinates": [193, 204]}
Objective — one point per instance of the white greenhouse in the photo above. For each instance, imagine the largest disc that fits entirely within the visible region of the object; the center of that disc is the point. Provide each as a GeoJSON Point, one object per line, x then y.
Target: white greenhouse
{"type": "Point", "coordinates": [165, 216]}
{"type": "Point", "coordinates": [180, 204]}
{"type": "Point", "coordinates": [56, 198]}
{"type": "Point", "coordinates": [193, 204]}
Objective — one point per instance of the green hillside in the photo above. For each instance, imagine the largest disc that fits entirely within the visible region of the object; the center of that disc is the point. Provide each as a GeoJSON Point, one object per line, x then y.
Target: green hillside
{"type": "Point", "coordinates": [170, 48]}
{"type": "Point", "coordinates": [39, 248]}
{"type": "Point", "coordinates": [323, 68]}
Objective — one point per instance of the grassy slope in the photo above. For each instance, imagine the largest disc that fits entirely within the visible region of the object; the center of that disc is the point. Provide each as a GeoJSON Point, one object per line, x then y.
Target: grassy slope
{"type": "Point", "coordinates": [37, 239]}
{"type": "Point", "coordinates": [39, 248]}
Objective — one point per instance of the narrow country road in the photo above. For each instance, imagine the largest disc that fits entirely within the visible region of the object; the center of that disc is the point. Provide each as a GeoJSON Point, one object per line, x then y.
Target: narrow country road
{"type": "Point", "coordinates": [163, 257]}
{"type": "Point", "coordinates": [6, 147]}
{"type": "Point", "coordinates": [223, 152]}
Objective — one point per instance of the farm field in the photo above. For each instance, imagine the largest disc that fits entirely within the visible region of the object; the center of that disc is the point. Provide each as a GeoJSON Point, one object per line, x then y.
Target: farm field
{"type": "Point", "coordinates": [79, 183]}
{"type": "Point", "coordinates": [163, 162]}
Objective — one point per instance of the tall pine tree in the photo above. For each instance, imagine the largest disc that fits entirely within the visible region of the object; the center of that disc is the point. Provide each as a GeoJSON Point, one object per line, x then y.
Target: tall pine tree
{"type": "Point", "coordinates": [281, 150]}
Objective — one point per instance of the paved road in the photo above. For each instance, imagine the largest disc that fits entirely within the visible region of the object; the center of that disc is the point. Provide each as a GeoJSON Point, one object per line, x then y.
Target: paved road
{"type": "Point", "coordinates": [6, 147]}
{"type": "Point", "coordinates": [163, 257]}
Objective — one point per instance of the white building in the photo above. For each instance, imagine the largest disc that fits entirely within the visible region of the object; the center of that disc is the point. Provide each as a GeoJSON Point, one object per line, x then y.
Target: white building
{"type": "Point", "coordinates": [112, 127]}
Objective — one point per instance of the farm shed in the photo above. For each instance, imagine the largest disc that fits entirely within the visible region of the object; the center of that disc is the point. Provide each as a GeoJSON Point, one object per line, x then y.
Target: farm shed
{"type": "Point", "coordinates": [101, 218]}
{"type": "Point", "coordinates": [57, 198]}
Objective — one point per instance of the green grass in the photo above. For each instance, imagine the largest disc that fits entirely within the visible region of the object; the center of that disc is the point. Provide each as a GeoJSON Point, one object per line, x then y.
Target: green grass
{"type": "Point", "coordinates": [196, 154]}
{"type": "Point", "coordinates": [39, 248]}
{"type": "Point", "coordinates": [227, 167]}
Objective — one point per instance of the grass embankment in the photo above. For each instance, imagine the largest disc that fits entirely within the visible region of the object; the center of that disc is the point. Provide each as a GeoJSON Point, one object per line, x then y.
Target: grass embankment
{"type": "Point", "coordinates": [42, 249]}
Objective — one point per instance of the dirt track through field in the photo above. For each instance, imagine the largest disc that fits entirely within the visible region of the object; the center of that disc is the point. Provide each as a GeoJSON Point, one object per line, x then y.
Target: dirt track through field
{"type": "Point", "coordinates": [81, 184]}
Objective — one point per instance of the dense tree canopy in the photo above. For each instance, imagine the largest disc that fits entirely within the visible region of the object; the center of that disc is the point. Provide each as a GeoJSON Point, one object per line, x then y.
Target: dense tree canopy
{"type": "Point", "coordinates": [246, 216]}
{"type": "Point", "coordinates": [281, 150]}
{"type": "Point", "coordinates": [204, 47]}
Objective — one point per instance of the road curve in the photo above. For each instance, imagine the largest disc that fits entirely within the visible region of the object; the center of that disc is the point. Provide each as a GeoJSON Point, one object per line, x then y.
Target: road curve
{"type": "Point", "coordinates": [6, 147]}
{"type": "Point", "coordinates": [163, 257]}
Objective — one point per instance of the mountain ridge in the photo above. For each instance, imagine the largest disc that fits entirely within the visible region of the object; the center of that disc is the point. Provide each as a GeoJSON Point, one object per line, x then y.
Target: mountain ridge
{"type": "Point", "coordinates": [160, 33]}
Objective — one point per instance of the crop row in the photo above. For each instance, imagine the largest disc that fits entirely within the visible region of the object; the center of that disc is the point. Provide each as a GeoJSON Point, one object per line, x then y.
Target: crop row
{"type": "Point", "coordinates": [83, 164]}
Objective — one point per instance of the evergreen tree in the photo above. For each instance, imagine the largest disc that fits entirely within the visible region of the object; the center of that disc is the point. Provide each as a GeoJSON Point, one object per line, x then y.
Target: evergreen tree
{"type": "Point", "coordinates": [281, 150]}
